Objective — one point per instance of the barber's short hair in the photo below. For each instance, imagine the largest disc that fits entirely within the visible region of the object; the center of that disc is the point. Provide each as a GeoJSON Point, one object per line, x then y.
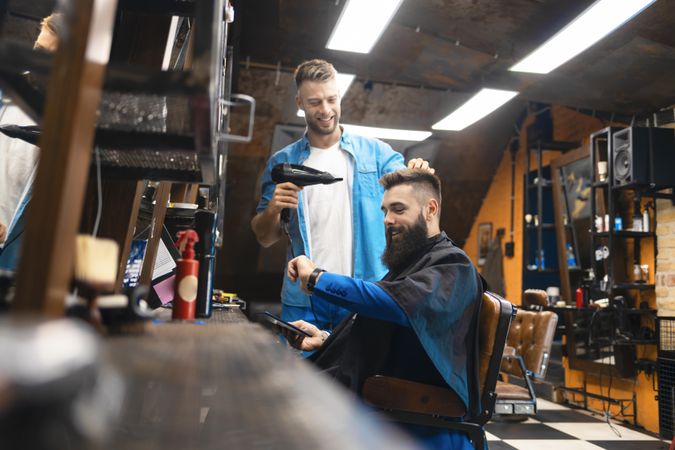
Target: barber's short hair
{"type": "Point", "coordinates": [421, 178]}
{"type": "Point", "coordinates": [55, 23]}
{"type": "Point", "coordinates": [314, 70]}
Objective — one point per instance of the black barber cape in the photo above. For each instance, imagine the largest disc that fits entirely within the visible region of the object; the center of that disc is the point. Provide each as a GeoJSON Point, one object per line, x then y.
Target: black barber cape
{"type": "Point", "coordinates": [439, 291]}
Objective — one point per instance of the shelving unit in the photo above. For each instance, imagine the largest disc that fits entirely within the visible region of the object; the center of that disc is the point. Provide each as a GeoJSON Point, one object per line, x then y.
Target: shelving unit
{"type": "Point", "coordinates": [150, 124]}
{"type": "Point", "coordinates": [620, 243]}
{"type": "Point", "coordinates": [539, 235]}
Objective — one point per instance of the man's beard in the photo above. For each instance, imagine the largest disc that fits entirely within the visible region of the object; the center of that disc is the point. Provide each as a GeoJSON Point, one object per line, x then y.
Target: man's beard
{"type": "Point", "coordinates": [410, 240]}
{"type": "Point", "coordinates": [313, 125]}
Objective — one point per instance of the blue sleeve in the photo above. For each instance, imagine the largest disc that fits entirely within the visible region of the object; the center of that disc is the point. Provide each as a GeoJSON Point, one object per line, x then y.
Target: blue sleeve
{"type": "Point", "coordinates": [267, 186]}
{"type": "Point", "coordinates": [359, 296]}
{"type": "Point", "coordinates": [390, 160]}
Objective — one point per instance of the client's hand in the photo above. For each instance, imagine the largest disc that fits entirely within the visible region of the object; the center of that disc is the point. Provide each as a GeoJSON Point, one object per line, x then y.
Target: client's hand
{"type": "Point", "coordinates": [3, 232]}
{"type": "Point", "coordinates": [301, 268]}
{"type": "Point", "coordinates": [303, 342]}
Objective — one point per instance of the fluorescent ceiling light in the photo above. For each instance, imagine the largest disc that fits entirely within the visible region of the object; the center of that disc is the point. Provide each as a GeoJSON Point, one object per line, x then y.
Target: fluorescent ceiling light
{"type": "Point", "coordinates": [387, 133]}
{"type": "Point", "coordinates": [478, 106]}
{"type": "Point", "coordinates": [390, 134]}
{"type": "Point", "coordinates": [600, 19]}
{"type": "Point", "coordinates": [361, 24]}
{"type": "Point", "coordinates": [344, 81]}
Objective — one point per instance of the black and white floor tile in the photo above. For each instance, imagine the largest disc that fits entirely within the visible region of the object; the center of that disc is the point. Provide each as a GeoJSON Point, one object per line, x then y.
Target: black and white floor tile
{"type": "Point", "coordinates": [556, 427]}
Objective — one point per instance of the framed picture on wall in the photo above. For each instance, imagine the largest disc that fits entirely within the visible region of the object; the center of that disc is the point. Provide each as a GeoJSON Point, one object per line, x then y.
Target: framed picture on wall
{"type": "Point", "coordinates": [484, 238]}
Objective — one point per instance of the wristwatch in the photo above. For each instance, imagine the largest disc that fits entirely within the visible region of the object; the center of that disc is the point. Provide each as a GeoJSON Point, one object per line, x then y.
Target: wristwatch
{"type": "Point", "coordinates": [311, 281]}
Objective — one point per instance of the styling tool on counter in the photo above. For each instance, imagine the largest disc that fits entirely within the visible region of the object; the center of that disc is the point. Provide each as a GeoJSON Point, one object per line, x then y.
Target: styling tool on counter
{"type": "Point", "coordinates": [205, 223]}
{"type": "Point", "coordinates": [227, 300]}
{"type": "Point", "coordinates": [125, 313]}
{"type": "Point", "coordinates": [95, 272]}
{"type": "Point", "coordinates": [187, 277]}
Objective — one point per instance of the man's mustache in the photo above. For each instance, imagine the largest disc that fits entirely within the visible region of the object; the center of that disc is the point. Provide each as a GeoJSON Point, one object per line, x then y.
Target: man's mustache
{"type": "Point", "coordinates": [394, 229]}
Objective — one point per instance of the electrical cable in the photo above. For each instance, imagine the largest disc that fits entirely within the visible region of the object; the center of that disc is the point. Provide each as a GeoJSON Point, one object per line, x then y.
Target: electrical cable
{"type": "Point", "coordinates": [606, 412]}
{"type": "Point", "coordinates": [285, 219]}
{"type": "Point", "coordinates": [99, 192]}
{"type": "Point", "coordinates": [514, 151]}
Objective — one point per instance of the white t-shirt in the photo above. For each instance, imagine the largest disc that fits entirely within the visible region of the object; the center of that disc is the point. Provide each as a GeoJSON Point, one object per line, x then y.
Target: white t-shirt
{"type": "Point", "coordinates": [328, 211]}
{"type": "Point", "coordinates": [18, 161]}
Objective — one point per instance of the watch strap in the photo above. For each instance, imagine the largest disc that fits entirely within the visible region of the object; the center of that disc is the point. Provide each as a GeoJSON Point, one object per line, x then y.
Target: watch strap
{"type": "Point", "coordinates": [311, 281]}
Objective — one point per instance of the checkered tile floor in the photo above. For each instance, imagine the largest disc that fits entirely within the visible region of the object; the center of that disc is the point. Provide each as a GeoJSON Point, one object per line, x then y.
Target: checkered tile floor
{"type": "Point", "coordinates": [556, 427]}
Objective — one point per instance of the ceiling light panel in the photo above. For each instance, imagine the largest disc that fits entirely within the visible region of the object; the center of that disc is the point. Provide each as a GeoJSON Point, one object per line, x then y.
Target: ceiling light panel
{"type": "Point", "coordinates": [361, 24]}
{"type": "Point", "coordinates": [478, 106]}
{"type": "Point", "coordinates": [600, 19]}
{"type": "Point", "coordinates": [387, 133]}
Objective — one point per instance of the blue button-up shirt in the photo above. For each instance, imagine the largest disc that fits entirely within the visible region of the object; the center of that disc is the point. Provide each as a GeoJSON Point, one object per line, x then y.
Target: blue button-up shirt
{"type": "Point", "coordinates": [372, 159]}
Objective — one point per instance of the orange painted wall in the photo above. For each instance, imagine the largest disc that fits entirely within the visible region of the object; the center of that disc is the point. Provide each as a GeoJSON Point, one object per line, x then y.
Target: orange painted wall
{"type": "Point", "coordinates": [568, 126]}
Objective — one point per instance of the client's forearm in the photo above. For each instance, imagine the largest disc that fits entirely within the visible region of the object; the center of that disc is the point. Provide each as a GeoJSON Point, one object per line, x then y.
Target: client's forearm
{"type": "Point", "coordinates": [359, 296]}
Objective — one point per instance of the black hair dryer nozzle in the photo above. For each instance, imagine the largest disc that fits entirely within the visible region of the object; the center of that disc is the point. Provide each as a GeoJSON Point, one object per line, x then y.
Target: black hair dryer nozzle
{"type": "Point", "coordinates": [301, 175]}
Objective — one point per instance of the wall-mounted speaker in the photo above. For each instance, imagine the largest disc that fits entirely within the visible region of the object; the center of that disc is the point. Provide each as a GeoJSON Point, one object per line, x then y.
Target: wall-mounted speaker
{"type": "Point", "coordinates": [644, 156]}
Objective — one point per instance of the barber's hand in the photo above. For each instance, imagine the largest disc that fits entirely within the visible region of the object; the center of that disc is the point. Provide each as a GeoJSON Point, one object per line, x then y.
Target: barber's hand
{"type": "Point", "coordinates": [3, 232]}
{"type": "Point", "coordinates": [285, 196]}
{"type": "Point", "coordinates": [419, 163]}
{"type": "Point", "coordinates": [301, 268]}
{"type": "Point", "coordinates": [305, 343]}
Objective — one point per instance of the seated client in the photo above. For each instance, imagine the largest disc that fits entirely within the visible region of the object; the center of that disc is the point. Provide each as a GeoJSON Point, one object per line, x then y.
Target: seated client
{"type": "Point", "coordinates": [416, 323]}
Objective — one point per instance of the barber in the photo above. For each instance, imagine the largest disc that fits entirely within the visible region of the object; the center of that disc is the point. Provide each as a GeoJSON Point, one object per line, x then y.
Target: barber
{"type": "Point", "coordinates": [338, 224]}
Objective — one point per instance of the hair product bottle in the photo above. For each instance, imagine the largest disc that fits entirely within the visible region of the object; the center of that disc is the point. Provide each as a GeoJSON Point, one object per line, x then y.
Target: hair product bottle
{"type": "Point", "coordinates": [187, 273]}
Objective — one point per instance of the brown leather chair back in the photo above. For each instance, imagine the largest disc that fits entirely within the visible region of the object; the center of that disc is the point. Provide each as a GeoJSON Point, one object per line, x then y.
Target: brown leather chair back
{"type": "Point", "coordinates": [489, 320]}
{"type": "Point", "coordinates": [535, 297]}
{"type": "Point", "coordinates": [531, 335]}
{"type": "Point", "coordinates": [495, 317]}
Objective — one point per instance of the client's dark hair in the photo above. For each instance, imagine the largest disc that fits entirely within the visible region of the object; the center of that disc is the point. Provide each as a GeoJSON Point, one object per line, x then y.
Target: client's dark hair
{"type": "Point", "coordinates": [419, 177]}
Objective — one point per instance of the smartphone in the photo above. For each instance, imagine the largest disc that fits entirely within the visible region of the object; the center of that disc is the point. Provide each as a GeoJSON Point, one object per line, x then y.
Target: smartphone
{"type": "Point", "coordinates": [285, 325]}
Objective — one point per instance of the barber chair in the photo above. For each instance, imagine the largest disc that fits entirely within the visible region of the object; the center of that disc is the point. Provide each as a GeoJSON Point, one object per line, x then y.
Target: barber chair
{"type": "Point", "coordinates": [421, 404]}
{"type": "Point", "coordinates": [535, 299]}
{"type": "Point", "coordinates": [526, 355]}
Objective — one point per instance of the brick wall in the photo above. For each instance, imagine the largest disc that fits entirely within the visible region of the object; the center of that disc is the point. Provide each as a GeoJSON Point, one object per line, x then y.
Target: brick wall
{"type": "Point", "coordinates": [665, 262]}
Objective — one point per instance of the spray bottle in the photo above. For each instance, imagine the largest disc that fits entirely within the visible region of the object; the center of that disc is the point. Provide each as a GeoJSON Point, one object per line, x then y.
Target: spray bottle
{"type": "Point", "coordinates": [187, 272]}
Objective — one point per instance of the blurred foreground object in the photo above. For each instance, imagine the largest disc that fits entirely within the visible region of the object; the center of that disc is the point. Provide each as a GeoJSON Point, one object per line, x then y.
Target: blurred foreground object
{"type": "Point", "coordinates": [55, 392]}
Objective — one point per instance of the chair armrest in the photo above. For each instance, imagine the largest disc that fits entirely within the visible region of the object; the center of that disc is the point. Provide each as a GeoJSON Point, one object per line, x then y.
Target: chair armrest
{"type": "Point", "coordinates": [396, 394]}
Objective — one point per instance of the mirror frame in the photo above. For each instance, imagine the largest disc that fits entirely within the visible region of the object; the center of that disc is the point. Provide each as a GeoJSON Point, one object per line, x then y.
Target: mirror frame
{"type": "Point", "coordinates": [559, 211]}
{"type": "Point", "coordinates": [569, 314]}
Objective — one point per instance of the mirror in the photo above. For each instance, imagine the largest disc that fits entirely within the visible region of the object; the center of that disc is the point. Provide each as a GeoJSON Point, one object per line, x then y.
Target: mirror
{"type": "Point", "coordinates": [590, 332]}
{"type": "Point", "coordinates": [572, 178]}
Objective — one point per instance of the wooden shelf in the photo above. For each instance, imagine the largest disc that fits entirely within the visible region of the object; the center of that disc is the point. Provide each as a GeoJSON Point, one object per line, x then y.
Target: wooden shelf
{"type": "Point", "coordinates": [639, 286]}
{"type": "Point", "coordinates": [543, 226]}
{"type": "Point", "coordinates": [543, 270]}
{"type": "Point", "coordinates": [151, 124]}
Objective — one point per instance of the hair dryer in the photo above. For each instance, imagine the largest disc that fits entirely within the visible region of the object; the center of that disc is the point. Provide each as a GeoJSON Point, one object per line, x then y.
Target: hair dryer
{"type": "Point", "coordinates": [300, 176]}
{"type": "Point", "coordinates": [30, 133]}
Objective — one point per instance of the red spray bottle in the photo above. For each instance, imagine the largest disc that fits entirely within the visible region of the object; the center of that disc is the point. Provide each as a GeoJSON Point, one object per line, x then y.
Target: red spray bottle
{"type": "Point", "coordinates": [187, 273]}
